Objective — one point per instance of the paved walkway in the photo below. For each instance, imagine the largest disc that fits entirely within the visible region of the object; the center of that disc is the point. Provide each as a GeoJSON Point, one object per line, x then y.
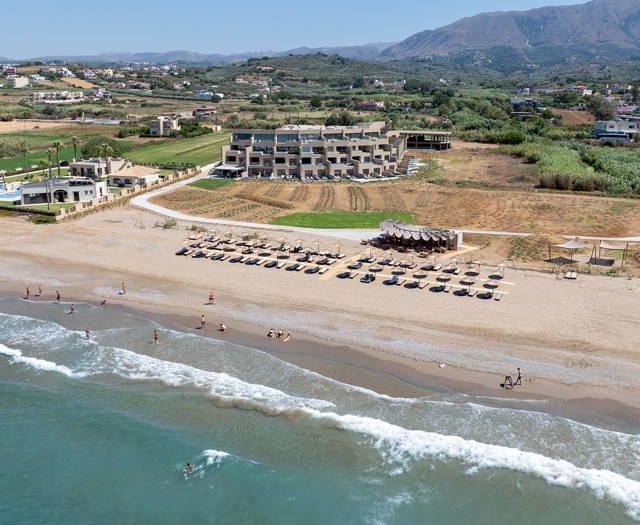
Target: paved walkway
{"type": "Point", "coordinates": [354, 235]}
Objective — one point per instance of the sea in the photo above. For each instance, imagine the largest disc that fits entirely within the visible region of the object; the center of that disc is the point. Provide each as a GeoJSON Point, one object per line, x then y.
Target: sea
{"type": "Point", "coordinates": [101, 431]}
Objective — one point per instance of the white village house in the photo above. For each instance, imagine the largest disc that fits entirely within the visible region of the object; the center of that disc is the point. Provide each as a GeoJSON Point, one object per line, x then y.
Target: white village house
{"type": "Point", "coordinates": [60, 190]}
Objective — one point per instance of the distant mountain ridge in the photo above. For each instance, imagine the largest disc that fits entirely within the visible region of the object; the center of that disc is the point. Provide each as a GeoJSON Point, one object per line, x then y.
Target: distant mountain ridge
{"type": "Point", "coordinates": [363, 52]}
{"type": "Point", "coordinates": [597, 23]}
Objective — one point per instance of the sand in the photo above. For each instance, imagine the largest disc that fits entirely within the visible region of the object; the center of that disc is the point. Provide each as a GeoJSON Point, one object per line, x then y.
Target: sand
{"type": "Point", "coordinates": [573, 339]}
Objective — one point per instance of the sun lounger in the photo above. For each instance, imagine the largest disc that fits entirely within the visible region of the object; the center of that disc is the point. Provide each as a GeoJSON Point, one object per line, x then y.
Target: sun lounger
{"type": "Point", "coordinates": [280, 265]}
{"type": "Point", "coordinates": [437, 267]}
{"type": "Point", "coordinates": [323, 270]}
{"type": "Point", "coordinates": [571, 275]}
{"type": "Point", "coordinates": [400, 282]}
{"type": "Point", "coordinates": [447, 288]}
{"type": "Point", "coordinates": [331, 261]}
{"type": "Point", "coordinates": [498, 296]}
{"type": "Point", "coordinates": [422, 286]}
{"type": "Point", "coordinates": [473, 293]}
{"type": "Point", "coordinates": [354, 275]}
{"type": "Point", "coordinates": [225, 257]}
{"type": "Point", "coordinates": [189, 252]}
{"type": "Point", "coordinates": [341, 256]}
{"type": "Point", "coordinates": [301, 267]}
{"type": "Point", "coordinates": [245, 259]}
{"type": "Point", "coordinates": [260, 262]}
{"type": "Point", "coordinates": [456, 271]}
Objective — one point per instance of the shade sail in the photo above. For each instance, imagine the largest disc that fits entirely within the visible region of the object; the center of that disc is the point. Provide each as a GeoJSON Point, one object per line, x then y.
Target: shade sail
{"type": "Point", "coordinates": [572, 245]}
{"type": "Point", "coordinates": [607, 246]}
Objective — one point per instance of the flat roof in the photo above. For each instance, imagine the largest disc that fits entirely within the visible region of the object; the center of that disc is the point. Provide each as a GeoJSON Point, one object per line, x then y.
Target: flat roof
{"type": "Point", "coordinates": [424, 132]}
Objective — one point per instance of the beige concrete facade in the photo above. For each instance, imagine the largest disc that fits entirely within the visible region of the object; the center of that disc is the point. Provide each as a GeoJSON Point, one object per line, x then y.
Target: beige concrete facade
{"type": "Point", "coordinates": [313, 152]}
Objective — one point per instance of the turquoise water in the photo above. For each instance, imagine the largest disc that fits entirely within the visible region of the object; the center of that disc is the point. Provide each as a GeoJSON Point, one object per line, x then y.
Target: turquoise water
{"type": "Point", "coordinates": [100, 431]}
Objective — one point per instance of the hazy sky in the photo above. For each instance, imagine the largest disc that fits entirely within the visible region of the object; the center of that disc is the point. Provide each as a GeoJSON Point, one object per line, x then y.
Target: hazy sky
{"type": "Point", "coordinates": [43, 27]}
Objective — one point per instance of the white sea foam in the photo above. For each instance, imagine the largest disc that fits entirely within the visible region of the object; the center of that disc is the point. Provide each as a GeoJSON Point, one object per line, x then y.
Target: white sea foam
{"type": "Point", "coordinates": [214, 457]}
{"type": "Point", "coordinates": [399, 446]}
{"type": "Point", "coordinates": [236, 392]}
{"type": "Point", "coordinates": [39, 364]}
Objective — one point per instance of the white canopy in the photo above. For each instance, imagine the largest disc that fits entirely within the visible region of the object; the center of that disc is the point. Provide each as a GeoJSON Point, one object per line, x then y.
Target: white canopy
{"type": "Point", "coordinates": [572, 245]}
{"type": "Point", "coordinates": [607, 246]}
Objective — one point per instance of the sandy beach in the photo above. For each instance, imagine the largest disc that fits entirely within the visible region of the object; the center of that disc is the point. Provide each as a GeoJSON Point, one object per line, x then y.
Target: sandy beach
{"type": "Point", "coordinates": [573, 340]}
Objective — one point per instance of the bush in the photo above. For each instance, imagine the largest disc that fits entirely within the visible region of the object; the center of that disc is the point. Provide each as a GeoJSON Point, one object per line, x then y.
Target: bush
{"type": "Point", "coordinates": [513, 136]}
{"type": "Point", "coordinates": [93, 147]}
{"type": "Point", "coordinates": [43, 219]}
{"type": "Point", "coordinates": [167, 224]}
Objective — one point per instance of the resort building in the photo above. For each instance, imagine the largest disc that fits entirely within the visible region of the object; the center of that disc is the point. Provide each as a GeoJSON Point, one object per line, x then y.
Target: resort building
{"type": "Point", "coordinates": [163, 126]}
{"type": "Point", "coordinates": [313, 152]}
{"type": "Point", "coordinates": [134, 176]}
{"type": "Point", "coordinates": [57, 97]}
{"type": "Point", "coordinates": [65, 189]}
{"type": "Point", "coordinates": [93, 168]}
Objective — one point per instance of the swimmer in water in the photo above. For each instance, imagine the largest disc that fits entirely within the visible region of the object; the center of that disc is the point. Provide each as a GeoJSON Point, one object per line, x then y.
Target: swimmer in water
{"type": "Point", "coordinates": [88, 332]}
{"type": "Point", "coordinates": [189, 468]}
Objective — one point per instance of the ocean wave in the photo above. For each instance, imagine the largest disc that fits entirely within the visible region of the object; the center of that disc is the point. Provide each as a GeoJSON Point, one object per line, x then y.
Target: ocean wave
{"type": "Point", "coordinates": [39, 364]}
{"type": "Point", "coordinates": [214, 457]}
{"type": "Point", "coordinates": [398, 446]}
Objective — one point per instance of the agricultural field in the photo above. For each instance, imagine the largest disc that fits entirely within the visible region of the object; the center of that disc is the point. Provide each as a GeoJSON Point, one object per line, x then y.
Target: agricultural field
{"type": "Point", "coordinates": [469, 187]}
{"type": "Point", "coordinates": [199, 150]}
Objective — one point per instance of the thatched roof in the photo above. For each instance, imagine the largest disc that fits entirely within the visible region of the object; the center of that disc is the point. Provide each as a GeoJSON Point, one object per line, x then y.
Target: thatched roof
{"type": "Point", "coordinates": [403, 230]}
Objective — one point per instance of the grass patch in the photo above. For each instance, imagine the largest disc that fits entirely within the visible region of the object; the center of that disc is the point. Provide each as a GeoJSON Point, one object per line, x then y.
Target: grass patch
{"type": "Point", "coordinates": [210, 184]}
{"type": "Point", "coordinates": [199, 150]}
{"type": "Point", "coordinates": [340, 219]}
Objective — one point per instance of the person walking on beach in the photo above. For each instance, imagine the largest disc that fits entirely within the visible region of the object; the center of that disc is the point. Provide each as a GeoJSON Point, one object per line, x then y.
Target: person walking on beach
{"type": "Point", "coordinates": [212, 298]}
{"type": "Point", "coordinates": [58, 296]}
{"type": "Point", "coordinates": [39, 290]}
{"type": "Point", "coordinates": [203, 322]}
{"type": "Point", "coordinates": [156, 337]}
{"type": "Point", "coordinates": [28, 293]}
{"type": "Point", "coordinates": [519, 380]}
{"type": "Point", "coordinates": [88, 332]}
{"type": "Point", "coordinates": [124, 289]}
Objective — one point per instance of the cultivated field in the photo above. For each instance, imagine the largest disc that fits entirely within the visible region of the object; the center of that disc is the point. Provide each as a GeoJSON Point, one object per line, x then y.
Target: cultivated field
{"type": "Point", "coordinates": [575, 118]}
{"type": "Point", "coordinates": [199, 150]}
{"type": "Point", "coordinates": [78, 82]}
{"type": "Point", "coordinates": [476, 189]}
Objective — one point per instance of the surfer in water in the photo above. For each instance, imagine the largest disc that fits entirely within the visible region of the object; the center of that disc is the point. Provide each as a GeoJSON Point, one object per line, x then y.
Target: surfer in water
{"type": "Point", "coordinates": [88, 332]}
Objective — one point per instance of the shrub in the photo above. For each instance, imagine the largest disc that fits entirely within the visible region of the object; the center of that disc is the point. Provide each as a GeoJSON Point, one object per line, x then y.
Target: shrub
{"type": "Point", "coordinates": [43, 219]}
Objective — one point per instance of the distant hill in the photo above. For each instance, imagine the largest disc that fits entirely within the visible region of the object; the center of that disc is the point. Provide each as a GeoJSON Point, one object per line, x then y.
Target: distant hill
{"type": "Point", "coordinates": [599, 23]}
{"type": "Point", "coordinates": [364, 52]}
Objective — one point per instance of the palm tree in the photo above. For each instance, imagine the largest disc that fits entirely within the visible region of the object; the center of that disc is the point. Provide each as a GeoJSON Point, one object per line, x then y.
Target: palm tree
{"type": "Point", "coordinates": [106, 149]}
{"type": "Point", "coordinates": [50, 153]}
{"type": "Point", "coordinates": [24, 149]}
{"type": "Point", "coordinates": [43, 166]}
{"type": "Point", "coordinates": [74, 142]}
{"type": "Point", "coordinates": [57, 145]}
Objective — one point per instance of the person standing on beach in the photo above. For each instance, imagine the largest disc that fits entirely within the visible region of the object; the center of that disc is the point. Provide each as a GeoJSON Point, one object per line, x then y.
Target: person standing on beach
{"type": "Point", "coordinates": [519, 380]}
{"type": "Point", "coordinates": [203, 322]}
{"type": "Point", "coordinates": [58, 296]}
{"type": "Point", "coordinates": [88, 333]}
{"type": "Point", "coordinates": [124, 289]}
{"type": "Point", "coordinates": [28, 293]}
{"type": "Point", "coordinates": [39, 290]}
{"type": "Point", "coordinates": [156, 337]}
{"type": "Point", "coordinates": [212, 298]}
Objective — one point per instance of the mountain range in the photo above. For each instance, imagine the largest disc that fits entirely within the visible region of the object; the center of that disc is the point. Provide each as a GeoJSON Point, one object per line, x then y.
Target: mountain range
{"type": "Point", "coordinates": [599, 29]}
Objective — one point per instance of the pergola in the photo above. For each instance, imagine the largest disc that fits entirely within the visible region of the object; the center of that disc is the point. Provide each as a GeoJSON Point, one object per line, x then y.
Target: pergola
{"type": "Point", "coordinates": [413, 234]}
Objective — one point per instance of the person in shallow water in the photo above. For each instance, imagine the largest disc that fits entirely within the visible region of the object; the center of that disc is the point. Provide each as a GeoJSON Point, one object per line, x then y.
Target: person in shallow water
{"type": "Point", "coordinates": [222, 328]}
{"type": "Point", "coordinates": [88, 333]}
{"type": "Point", "coordinates": [58, 296]}
{"type": "Point", "coordinates": [156, 337]}
{"type": "Point", "coordinates": [28, 293]}
{"type": "Point", "coordinates": [73, 309]}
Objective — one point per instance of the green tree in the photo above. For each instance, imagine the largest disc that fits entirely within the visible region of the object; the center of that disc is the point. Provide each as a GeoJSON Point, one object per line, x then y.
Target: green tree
{"type": "Point", "coordinates": [600, 108]}
{"type": "Point", "coordinates": [316, 102]}
{"type": "Point", "coordinates": [23, 149]}
{"type": "Point", "coordinates": [57, 145]}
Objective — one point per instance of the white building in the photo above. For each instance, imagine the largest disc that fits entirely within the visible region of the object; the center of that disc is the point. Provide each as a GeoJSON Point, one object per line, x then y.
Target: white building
{"type": "Point", "coordinates": [93, 168]}
{"type": "Point", "coordinates": [65, 189]}
{"type": "Point", "coordinates": [134, 176]}
{"type": "Point", "coordinates": [57, 97]}
{"type": "Point", "coordinates": [17, 82]}
{"type": "Point", "coordinates": [163, 126]}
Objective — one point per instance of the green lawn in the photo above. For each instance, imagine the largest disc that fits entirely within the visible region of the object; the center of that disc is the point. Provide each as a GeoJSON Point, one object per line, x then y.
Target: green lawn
{"type": "Point", "coordinates": [210, 184]}
{"type": "Point", "coordinates": [198, 150]}
{"type": "Point", "coordinates": [340, 219]}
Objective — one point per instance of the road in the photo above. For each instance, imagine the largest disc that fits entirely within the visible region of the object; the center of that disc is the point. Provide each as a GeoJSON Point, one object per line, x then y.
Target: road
{"type": "Point", "coordinates": [355, 235]}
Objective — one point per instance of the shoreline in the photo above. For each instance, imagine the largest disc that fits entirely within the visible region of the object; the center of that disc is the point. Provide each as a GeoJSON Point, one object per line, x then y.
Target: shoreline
{"type": "Point", "coordinates": [394, 377]}
{"type": "Point", "coordinates": [386, 340]}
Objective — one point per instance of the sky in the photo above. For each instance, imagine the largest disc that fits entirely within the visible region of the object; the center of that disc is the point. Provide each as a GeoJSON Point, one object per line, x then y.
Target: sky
{"type": "Point", "coordinates": [79, 27]}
